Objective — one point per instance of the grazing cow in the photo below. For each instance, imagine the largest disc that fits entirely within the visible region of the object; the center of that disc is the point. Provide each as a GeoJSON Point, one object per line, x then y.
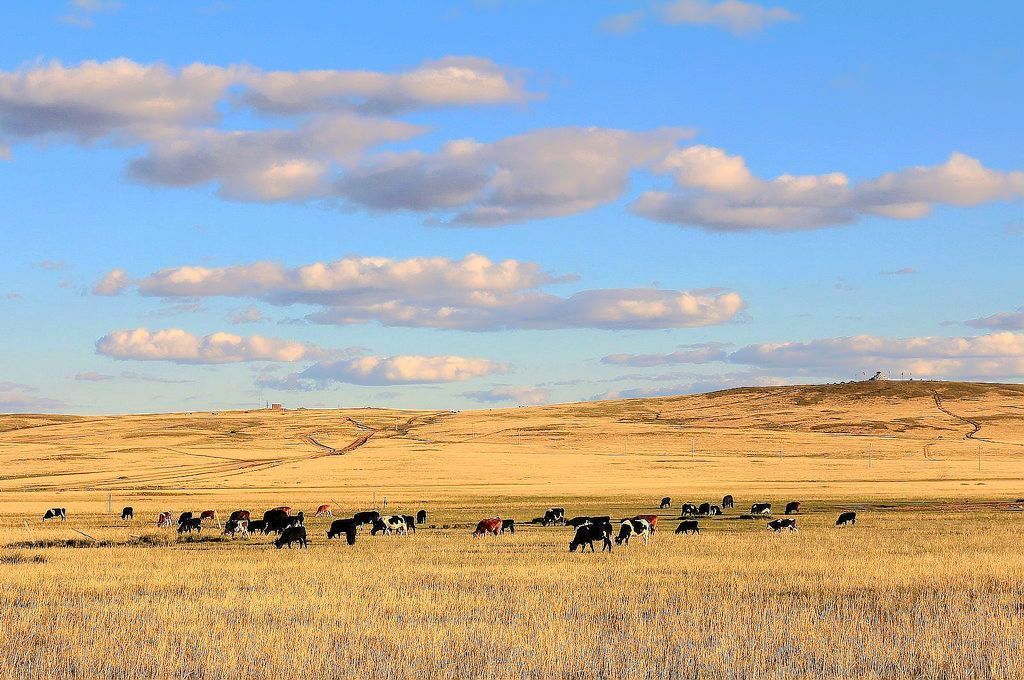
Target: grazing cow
{"type": "Point", "coordinates": [666, 502]}
{"type": "Point", "coordinates": [208, 514]}
{"type": "Point", "coordinates": [368, 517]}
{"type": "Point", "coordinates": [128, 512]}
{"type": "Point", "coordinates": [277, 521]}
{"type": "Point", "coordinates": [410, 523]}
{"type": "Point", "coordinates": [284, 508]}
{"type": "Point", "coordinates": [389, 524]}
{"type": "Point", "coordinates": [793, 508]}
{"type": "Point", "coordinates": [56, 513]}
{"type": "Point", "coordinates": [688, 509]}
{"type": "Point", "coordinates": [343, 526]}
{"type": "Point", "coordinates": [780, 524]}
{"type": "Point", "coordinates": [553, 516]}
{"type": "Point", "coordinates": [421, 517]}
{"type": "Point", "coordinates": [292, 535]}
{"type": "Point", "coordinates": [704, 509]}
{"type": "Point", "coordinates": [633, 527]}
{"type": "Point", "coordinates": [577, 522]}
{"type": "Point", "coordinates": [688, 525]}
{"type": "Point", "coordinates": [164, 519]}
{"type": "Point", "coordinates": [239, 515]}
{"type": "Point", "coordinates": [258, 526]}
{"type": "Point", "coordinates": [650, 519]}
{"type": "Point", "coordinates": [237, 527]}
{"type": "Point", "coordinates": [324, 511]}
{"type": "Point", "coordinates": [761, 509]}
{"type": "Point", "coordinates": [491, 525]}
{"type": "Point", "coordinates": [727, 502]}
{"type": "Point", "coordinates": [588, 533]}
{"type": "Point", "coordinates": [184, 516]}
{"type": "Point", "coordinates": [189, 525]}
{"type": "Point", "coordinates": [508, 525]}
{"type": "Point", "coordinates": [847, 519]}
{"type": "Point", "coordinates": [714, 511]}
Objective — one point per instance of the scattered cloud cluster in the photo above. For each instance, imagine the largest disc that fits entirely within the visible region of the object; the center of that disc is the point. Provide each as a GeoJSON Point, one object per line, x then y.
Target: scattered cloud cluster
{"type": "Point", "coordinates": [182, 347]}
{"type": "Point", "coordinates": [474, 293]}
{"type": "Point", "coordinates": [735, 16]}
{"type": "Point", "coordinates": [1004, 321]}
{"type": "Point", "coordinates": [689, 354]}
{"type": "Point", "coordinates": [377, 370]}
{"type": "Point", "coordinates": [523, 396]}
{"type": "Point", "coordinates": [21, 398]}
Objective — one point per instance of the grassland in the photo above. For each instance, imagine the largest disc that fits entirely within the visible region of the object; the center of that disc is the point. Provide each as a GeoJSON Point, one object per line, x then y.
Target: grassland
{"type": "Point", "coordinates": [929, 584]}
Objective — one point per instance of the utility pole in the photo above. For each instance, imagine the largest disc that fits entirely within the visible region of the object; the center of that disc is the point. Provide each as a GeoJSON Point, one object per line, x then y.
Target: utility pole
{"type": "Point", "coordinates": [979, 457]}
{"type": "Point", "coordinates": [109, 510]}
{"type": "Point", "coordinates": [869, 455]}
{"type": "Point", "coordinates": [693, 448]}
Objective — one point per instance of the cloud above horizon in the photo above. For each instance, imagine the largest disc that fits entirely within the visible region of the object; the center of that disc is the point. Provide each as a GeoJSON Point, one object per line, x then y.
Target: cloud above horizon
{"type": "Point", "coordinates": [523, 396]}
{"type": "Point", "coordinates": [474, 293]}
{"type": "Point", "coordinates": [1005, 321]}
{"type": "Point", "coordinates": [734, 16]}
{"type": "Point", "coordinates": [377, 370]}
{"type": "Point", "coordinates": [182, 347]}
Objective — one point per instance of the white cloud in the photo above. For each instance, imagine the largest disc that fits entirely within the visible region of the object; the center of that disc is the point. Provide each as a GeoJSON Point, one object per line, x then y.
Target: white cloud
{"type": "Point", "coordinates": [113, 282]}
{"type": "Point", "coordinates": [247, 315]}
{"type": "Point", "coordinates": [695, 385]}
{"type": "Point", "coordinates": [20, 398]}
{"type": "Point", "coordinates": [401, 370]}
{"type": "Point", "coordinates": [690, 354]}
{"type": "Point", "coordinates": [732, 15]}
{"type": "Point", "coordinates": [1005, 321]}
{"type": "Point", "coordinates": [719, 193]}
{"type": "Point", "coordinates": [527, 396]}
{"type": "Point", "coordinates": [181, 347]}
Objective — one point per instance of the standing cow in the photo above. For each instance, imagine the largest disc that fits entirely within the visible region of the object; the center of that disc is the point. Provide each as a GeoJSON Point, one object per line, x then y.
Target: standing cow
{"type": "Point", "coordinates": [588, 533]}
{"type": "Point", "coordinates": [128, 512]}
{"type": "Point", "coordinates": [343, 526]}
{"type": "Point", "coordinates": [164, 519]}
{"type": "Point", "coordinates": [553, 516]}
{"type": "Point", "coordinates": [793, 508]}
{"type": "Point", "coordinates": [847, 519]}
{"type": "Point", "coordinates": [237, 527]}
{"type": "Point", "coordinates": [421, 517]}
{"type": "Point", "coordinates": [727, 502]}
{"type": "Point", "coordinates": [780, 524]}
{"type": "Point", "coordinates": [239, 515]}
{"type": "Point", "coordinates": [56, 513]}
{"type": "Point", "coordinates": [687, 526]}
{"type": "Point", "coordinates": [491, 525]}
{"type": "Point", "coordinates": [324, 511]}
{"type": "Point", "coordinates": [296, 534]}
{"type": "Point", "coordinates": [368, 517]}
{"type": "Point", "coordinates": [761, 509]}
{"type": "Point", "coordinates": [508, 525]}
{"type": "Point", "coordinates": [633, 527]}
{"type": "Point", "coordinates": [410, 523]}
{"type": "Point", "coordinates": [666, 502]}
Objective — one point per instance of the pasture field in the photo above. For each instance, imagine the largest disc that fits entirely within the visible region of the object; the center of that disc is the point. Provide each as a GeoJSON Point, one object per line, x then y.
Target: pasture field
{"type": "Point", "coordinates": [930, 583]}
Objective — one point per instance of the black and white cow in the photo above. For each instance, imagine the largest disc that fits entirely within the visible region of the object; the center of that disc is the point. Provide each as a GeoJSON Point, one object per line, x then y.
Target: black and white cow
{"type": "Point", "coordinates": [780, 524]}
{"type": "Point", "coordinates": [727, 502]}
{"type": "Point", "coordinates": [633, 527]}
{"type": "Point", "coordinates": [704, 510]}
{"type": "Point", "coordinates": [666, 502]}
{"type": "Point", "coordinates": [793, 508]}
{"type": "Point", "coordinates": [189, 525]}
{"type": "Point", "coordinates": [128, 512]}
{"type": "Point", "coordinates": [237, 527]}
{"type": "Point", "coordinates": [389, 524]}
{"type": "Point", "coordinates": [553, 516]}
{"type": "Point", "coordinates": [343, 526]}
{"type": "Point", "coordinates": [588, 533]}
{"type": "Point", "coordinates": [577, 522]}
{"type": "Point", "coordinates": [508, 525]}
{"type": "Point", "coordinates": [687, 526]}
{"type": "Point", "coordinates": [421, 517]}
{"type": "Point", "coordinates": [368, 517]}
{"type": "Point", "coordinates": [688, 510]}
{"type": "Point", "coordinates": [56, 513]}
{"type": "Point", "coordinates": [847, 519]}
{"type": "Point", "coordinates": [296, 534]}
{"type": "Point", "coordinates": [761, 509]}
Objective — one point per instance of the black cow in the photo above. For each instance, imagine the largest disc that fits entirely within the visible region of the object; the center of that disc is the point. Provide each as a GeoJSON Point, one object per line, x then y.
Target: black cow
{"type": "Point", "coordinates": [715, 511]}
{"type": "Point", "coordinates": [686, 526]}
{"type": "Point", "coordinates": [128, 512]}
{"type": "Point", "coordinates": [189, 525]}
{"type": "Point", "coordinates": [421, 517]}
{"type": "Point", "coordinates": [761, 509]}
{"type": "Point", "coordinates": [239, 515]}
{"type": "Point", "coordinates": [847, 519]}
{"type": "Point", "coordinates": [687, 509]}
{"type": "Point", "coordinates": [727, 502]}
{"type": "Point", "coordinates": [258, 526]}
{"type": "Point", "coordinates": [56, 513]}
{"type": "Point", "coordinates": [183, 517]}
{"type": "Point", "coordinates": [780, 524]}
{"type": "Point", "coordinates": [410, 523]}
{"type": "Point", "coordinates": [343, 526]}
{"type": "Point", "coordinates": [588, 533]}
{"type": "Point", "coordinates": [793, 508]}
{"type": "Point", "coordinates": [666, 502]}
{"type": "Point", "coordinates": [368, 517]}
{"type": "Point", "coordinates": [508, 525]}
{"type": "Point", "coordinates": [279, 520]}
{"type": "Point", "coordinates": [296, 534]}
{"type": "Point", "coordinates": [553, 516]}
{"type": "Point", "coordinates": [704, 509]}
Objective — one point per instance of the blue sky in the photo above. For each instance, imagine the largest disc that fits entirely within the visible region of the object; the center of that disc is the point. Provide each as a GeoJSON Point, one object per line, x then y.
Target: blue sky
{"type": "Point", "coordinates": [513, 202]}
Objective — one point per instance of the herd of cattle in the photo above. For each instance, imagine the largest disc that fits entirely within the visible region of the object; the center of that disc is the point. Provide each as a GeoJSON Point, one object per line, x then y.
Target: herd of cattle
{"type": "Point", "coordinates": [589, 529]}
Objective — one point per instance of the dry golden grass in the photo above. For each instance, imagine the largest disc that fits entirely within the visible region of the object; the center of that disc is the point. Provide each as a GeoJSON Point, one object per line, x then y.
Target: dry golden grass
{"type": "Point", "coordinates": [930, 583]}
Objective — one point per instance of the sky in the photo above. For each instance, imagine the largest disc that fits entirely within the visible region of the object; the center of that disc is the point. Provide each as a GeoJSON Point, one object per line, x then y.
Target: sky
{"type": "Point", "coordinates": [476, 204]}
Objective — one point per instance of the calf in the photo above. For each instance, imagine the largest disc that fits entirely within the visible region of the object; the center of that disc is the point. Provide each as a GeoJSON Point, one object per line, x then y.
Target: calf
{"type": "Point", "coordinates": [239, 515]}
{"type": "Point", "coordinates": [761, 509]}
{"type": "Point", "coordinates": [508, 525]}
{"type": "Point", "coordinates": [56, 513]}
{"type": "Point", "coordinates": [553, 516]}
{"type": "Point", "coordinates": [847, 519]}
{"type": "Point", "coordinates": [491, 525]}
{"type": "Point", "coordinates": [410, 523]}
{"type": "Point", "coordinates": [343, 526]}
{"type": "Point", "coordinates": [164, 519]}
{"type": "Point", "coordinates": [237, 527]}
{"type": "Point", "coordinates": [666, 502]}
{"type": "Point", "coordinates": [727, 501]}
{"type": "Point", "coordinates": [780, 524]}
{"type": "Point", "coordinates": [324, 511]}
{"type": "Point", "coordinates": [368, 517]}
{"type": "Point", "coordinates": [128, 512]}
{"type": "Point", "coordinates": [588, 533]}
{"type": "Point", "coordinates": [688, 509]}
{"type": "Point", "coordinates": [291, 535]}
{"type": "Point", "coordinates": [686, 526]}
{"type": "Point", "coordinates": [421, 517]}
{"type": "Point", "coordinates": [793, 508]}
{"type": "Point", "coordinates": [189, 525]}
{"type": "Point", "coordinates": [633, 527]}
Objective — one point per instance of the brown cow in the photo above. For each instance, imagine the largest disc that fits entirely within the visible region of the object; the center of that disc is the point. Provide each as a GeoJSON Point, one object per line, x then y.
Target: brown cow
{"type": "Point", "coordinates": [208, 514]}
{"type": "Point", "coordinates": [164, 519]}
{"type": "Point", "coordinates": [324, 511]}
{"type": "Point", "coordinates": [283, 508]}
{"type": "Point", "coordinates": [488, 526]}
{"type": "Point", "coordinates": [651, 519]}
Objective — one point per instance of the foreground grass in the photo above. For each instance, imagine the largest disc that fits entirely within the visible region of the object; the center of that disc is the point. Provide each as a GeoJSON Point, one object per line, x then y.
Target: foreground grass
{"type": "Point", "coordinates": [905, 593]}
